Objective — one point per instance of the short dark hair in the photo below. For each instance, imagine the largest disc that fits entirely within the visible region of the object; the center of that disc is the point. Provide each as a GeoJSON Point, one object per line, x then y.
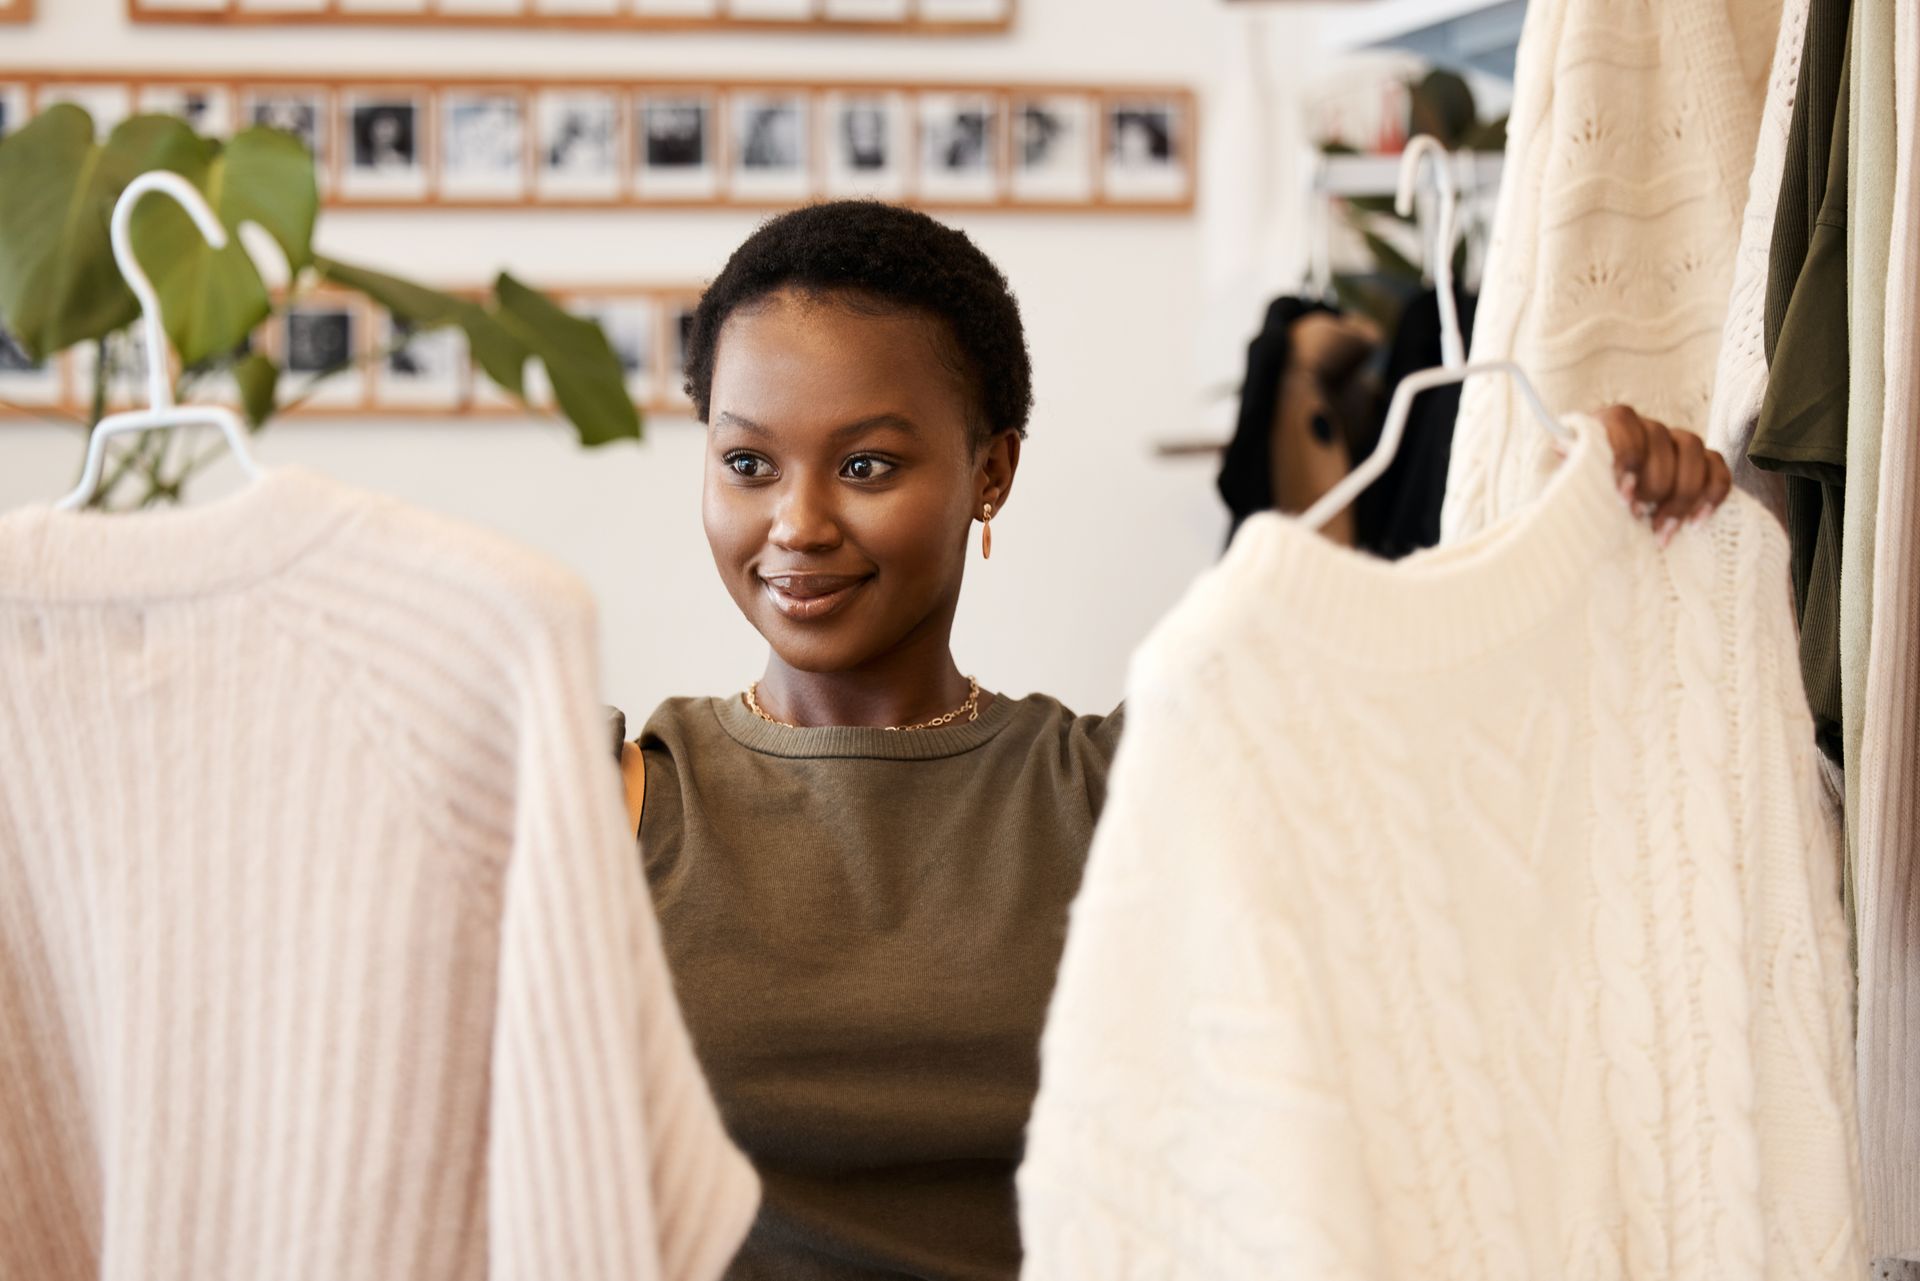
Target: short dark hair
{"type": "Point", "coordinates": [880, 255]}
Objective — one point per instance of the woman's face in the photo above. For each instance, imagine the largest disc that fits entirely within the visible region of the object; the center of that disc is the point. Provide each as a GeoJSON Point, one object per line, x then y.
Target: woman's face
{"type": "Point", "coordinates": [842, 478]}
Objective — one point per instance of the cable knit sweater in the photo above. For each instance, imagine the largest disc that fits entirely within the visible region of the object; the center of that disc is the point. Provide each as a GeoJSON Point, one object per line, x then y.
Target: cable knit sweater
{"type": "Point", "coordinates": [1628, 154]}
{"type": "Point", "coordinates": [1473, 917]}
{"type": "Point", "coordinates": [323, 949]}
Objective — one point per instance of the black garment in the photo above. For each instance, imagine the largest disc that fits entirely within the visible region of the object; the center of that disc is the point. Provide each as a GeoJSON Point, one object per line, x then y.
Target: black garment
{"type": "Point", "coordinates": [1802, 431]}
{"type": "Point", "coordinates": [1246, 473]}
{"type": "Point", "coordinates": [1400, 512]}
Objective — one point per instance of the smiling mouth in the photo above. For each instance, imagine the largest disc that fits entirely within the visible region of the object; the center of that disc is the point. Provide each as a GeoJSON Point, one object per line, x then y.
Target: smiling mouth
{"type": "Point", "coordinates": [805, 598]}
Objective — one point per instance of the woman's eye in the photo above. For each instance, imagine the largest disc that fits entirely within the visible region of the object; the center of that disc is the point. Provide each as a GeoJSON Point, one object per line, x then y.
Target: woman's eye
{"type": "Point", "coordinates": [866, 467]}
{"type": "Point", "coordinates": [746, 465]}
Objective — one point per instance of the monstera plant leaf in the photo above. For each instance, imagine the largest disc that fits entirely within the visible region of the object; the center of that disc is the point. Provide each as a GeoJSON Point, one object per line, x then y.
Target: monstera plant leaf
{"type": "Point", "coordinates": [211, 298]}
{"type": "Point", "coordinates": [58, 281]}
{"type": "Point", "coordinates": [517, 325]}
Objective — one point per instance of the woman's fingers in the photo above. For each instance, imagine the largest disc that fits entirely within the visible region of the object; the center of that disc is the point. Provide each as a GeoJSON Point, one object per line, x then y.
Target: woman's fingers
{"type": "Point", "coordinates": [1689, 489]}
{"type": "Point", "coordinates": [1627, 435]}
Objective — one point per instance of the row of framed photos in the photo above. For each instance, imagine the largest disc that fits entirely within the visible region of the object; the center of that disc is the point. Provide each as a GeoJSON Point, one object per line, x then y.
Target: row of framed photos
{"type": "Point", "coordinates": [400, 373]}
{"type": "Point", "coordinates": [912, 17]}
{"type": "Point", "coordinates": [494, 143]}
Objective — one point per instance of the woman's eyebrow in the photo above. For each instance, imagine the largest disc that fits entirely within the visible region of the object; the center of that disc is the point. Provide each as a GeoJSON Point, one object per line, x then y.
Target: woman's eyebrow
{"type": "Point", "coordinates": [878, 422]}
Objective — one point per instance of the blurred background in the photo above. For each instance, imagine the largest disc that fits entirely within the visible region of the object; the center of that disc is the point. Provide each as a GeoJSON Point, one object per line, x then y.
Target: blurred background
{"type": "Point", "coordinates": [1234, 151]}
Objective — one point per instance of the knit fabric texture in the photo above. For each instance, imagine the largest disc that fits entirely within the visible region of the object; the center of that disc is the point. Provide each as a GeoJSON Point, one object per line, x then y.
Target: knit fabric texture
{"type": "Point", "coordinates": [1628, 154]}
{"type": "Point", "coordinates": [1740, 375]}
{"type": "Point", "coordinates": [1887, 772]}
{"type": "Point", "coordinates": [323, 949]}
{"type": "Point", "coordinates": [1473, 916]}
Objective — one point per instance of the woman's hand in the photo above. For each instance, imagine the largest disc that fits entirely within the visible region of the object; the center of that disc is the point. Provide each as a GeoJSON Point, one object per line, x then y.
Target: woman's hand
{"type": "Point", "coordinates": [1667, 473]}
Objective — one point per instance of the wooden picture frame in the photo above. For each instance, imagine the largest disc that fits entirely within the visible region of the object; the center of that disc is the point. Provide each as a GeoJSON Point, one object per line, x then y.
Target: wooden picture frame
{"type": "Point", "coordinates": [383, 142]}
{"type": "Point", "coordinates": [432, 376]}
{"type": "Point", "coordinates": [824, 17]}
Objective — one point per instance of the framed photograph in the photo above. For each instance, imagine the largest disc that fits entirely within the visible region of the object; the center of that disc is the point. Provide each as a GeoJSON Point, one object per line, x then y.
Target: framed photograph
{"type": "Point", "coordinates": [318, 336]}
{"type": "Point", "coordinates": [1146, 150]}
{"type": "Point", "coordinates": [677, 8]}
{"type": "Point", "coordinates": [629, 324]}
{"type": "Point", "coordinates": [107, 104]}
{"type": "Point", "coordinates": [577, 144]}
{"type": "Point", "coordinates": [420, 370]}
{"type": "Point", "coordinates": [986, 13]}
{"type": "Point", "coordinates": [1053, 148]}
{"type": "Point", "coordinates": [13, 107]}
{"type": "Point", "coordinates": [676, 144]}
{"type": "Point", "coordinates": [300, 111]}
{"type": "Point", "coordinates": [891, 11]}
{"type": "Point", "coordinates": [678, 316]}
{"type": "Point", "coordinates": [126, 382]}
{"type": "Point", "coordinates": [24, 380]}
{"type": "Point", "coordinates": [960, 147]}
{"type": "Point", "coordinates": [770, 10]}
{"type": "Point", "coordinates": [483, 145]}
{"type": "Point", "coordinates": [207, 108]}
{"type": "Point", "coordinates": [769, 132]}
{"type": "Point", "coordinates": [864, 137]}
{"type": "Point", "coordinates": [386, 144]}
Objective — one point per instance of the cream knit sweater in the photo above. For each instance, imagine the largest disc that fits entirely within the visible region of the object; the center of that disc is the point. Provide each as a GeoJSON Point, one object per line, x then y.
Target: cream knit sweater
{"type": "Point", "coordinates": [1470, 918]}
{"type": "Point", "coordinates": [324, 952]}
{"type": "Point", "coordinates": [1628, 154]}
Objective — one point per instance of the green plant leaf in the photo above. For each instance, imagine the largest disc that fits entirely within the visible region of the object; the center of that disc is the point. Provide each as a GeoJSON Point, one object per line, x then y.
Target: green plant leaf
{"type": "Point", "coordinates": [58, 281]}
{"type": "Point", "coordinates": [522, 324]}
{"type": "Point", "coordinates": [501, 355]}
{"type": "Point", "coordinates": [587, 379]}
{"type": "Point", "coordinates": [259, 380]}
{"type": "Point", "coordinates": [212, 299]}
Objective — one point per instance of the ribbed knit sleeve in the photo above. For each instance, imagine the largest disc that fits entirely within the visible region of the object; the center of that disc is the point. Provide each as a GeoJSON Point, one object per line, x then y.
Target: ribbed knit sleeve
{"type": "Point", "coordinates": [606, 1155]}
{"type": "Point", "coordinates": [324, 952]}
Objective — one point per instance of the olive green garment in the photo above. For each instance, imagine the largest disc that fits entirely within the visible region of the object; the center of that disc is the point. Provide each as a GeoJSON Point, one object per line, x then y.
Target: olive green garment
{"type": "Point", "coordinates": [864, 928]}
{"type": "Point", "coordinates": [1802, 433]}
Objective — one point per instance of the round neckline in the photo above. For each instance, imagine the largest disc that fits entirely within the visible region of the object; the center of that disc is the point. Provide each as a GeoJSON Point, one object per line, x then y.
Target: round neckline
{"type": "Point", "coordinates": [237, 539]}
{"type": "Point", "coordinates": [758, 735]}
{"type": "Point", "coordinates": [1448, 603]}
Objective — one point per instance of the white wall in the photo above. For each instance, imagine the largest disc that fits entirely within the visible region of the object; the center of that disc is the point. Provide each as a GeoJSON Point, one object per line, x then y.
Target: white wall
{"type": "Point", "coordinates": [1128, 319]}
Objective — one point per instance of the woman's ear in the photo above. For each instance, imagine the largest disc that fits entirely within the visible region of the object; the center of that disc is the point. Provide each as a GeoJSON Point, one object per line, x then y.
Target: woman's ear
{"type": "Point", "coordinates": [999, 460]}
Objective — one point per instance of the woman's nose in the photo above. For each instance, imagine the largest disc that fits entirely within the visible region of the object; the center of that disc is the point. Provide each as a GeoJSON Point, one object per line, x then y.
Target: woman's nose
{"type": "Point", "coordinates": [804, 519]}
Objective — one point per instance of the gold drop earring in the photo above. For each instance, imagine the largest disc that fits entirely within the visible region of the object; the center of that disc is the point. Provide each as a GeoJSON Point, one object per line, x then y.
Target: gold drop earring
{"type": "Point", "coordinates": [986, 533]}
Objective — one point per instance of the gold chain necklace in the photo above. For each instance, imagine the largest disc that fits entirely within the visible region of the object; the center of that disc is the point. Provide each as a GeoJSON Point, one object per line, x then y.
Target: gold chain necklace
{"type": "Point", "coordinates": [970, 709]}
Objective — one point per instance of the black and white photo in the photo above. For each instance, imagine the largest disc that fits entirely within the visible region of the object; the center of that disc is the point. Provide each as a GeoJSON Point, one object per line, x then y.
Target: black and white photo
{"type": "Point", "coordinates": [675, 142]}
{"type": "Point", "coordinates": [483, 144]}
{"type": "Point", "coordinates": [960, 146]}
{"type": "Point", "coordinates": [318, 337]}
{"type": "Point", "coordinates": [205, 108]}
{"type": "Point", "coordinates": [679, 319]}
{"type": "Point", "coordinates": [628, 324]}
{"type": "Point", "coordinates": [385, 137]}
{"type": "Point", "coordinates": [13, 108]}
{"type": "Point", "coordinates": [1053, 150]}
{"type": "Point", "coordinates": [577, 144]}
{"type": "Point", "coordinates": [14, 358]}
{"type": "Point", "coordinates": [301, 113]}
{"type": "Point", "coordinates": [769, 145]}
{"type": "Point", "coordinates": [865, 143]}
{"type": "Point", "coordinates": [1145, 151]}
{"type": "Point", "coordinates": [420, 368]}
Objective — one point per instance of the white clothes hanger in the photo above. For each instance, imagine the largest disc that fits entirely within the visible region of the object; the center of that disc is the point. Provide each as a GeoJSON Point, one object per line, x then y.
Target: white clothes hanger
{"type": "Point", "coordinates": [1454, 367]}
{"type": "Point", "coordinates": [161, 411]}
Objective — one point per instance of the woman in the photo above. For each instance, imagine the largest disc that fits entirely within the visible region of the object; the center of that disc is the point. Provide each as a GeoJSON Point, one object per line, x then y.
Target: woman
{"type": "Point", "coordinates": [863, 863]}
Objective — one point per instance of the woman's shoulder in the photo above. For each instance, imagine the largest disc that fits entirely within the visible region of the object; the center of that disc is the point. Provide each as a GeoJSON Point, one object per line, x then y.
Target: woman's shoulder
{"type": "Point", "coordinates": [1096, 736]}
